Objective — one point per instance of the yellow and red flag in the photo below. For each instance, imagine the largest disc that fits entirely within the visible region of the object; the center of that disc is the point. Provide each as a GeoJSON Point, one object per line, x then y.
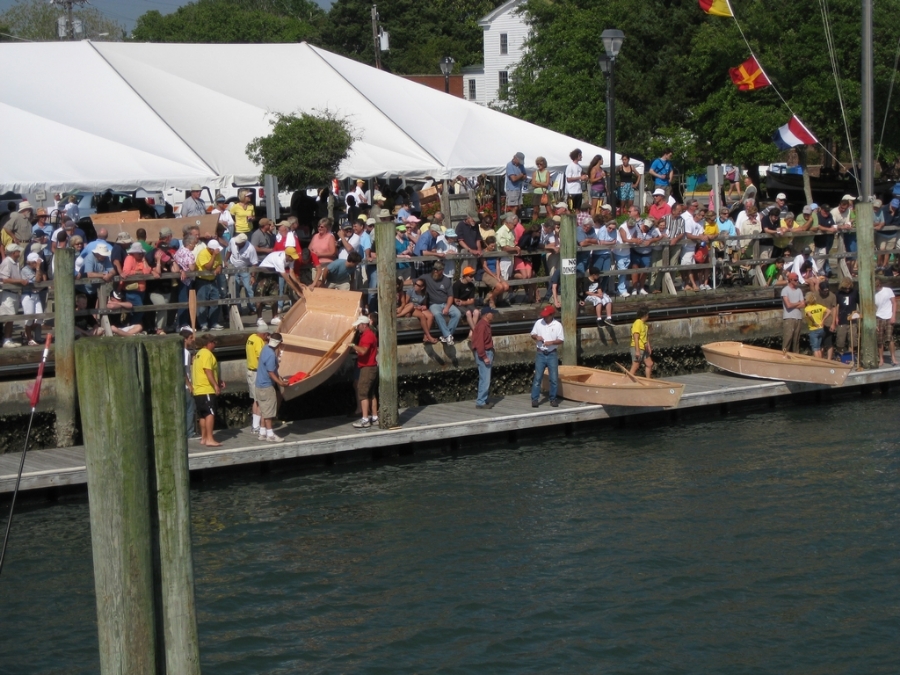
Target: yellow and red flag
{"type": "Point", "coordinates": [716, 7]}
{"type": "Point", "coordinates": [749, 75]}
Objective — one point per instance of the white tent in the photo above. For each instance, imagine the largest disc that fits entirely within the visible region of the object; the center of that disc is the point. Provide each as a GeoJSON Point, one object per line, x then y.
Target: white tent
{"type": "Point", "coordinates": [166, 115]}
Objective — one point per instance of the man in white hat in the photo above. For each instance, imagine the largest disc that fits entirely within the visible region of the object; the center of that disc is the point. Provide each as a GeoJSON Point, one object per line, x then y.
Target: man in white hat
{"type": "Point", "coordinates": [252, 349]}
{"type": "Point", "coordinates": [97, 266]}
{"type": "Point", "coordinates": [242, 255]}
{"type": "Point", "coordinates": [781, 203]}
{"type": "Point", "coordinates": [19, 224]}
{"type": "Point", "coordinates": [193, 205]}
{"type": "Point", "coordinates": [660, 207]}
{"type": "Point", "coordinates": [9, 301]}
{"type": "Point", "coordinates": [267, 396]}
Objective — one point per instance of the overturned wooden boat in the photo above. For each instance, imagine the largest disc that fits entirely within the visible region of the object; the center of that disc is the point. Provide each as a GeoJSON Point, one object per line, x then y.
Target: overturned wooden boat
{"type": "Point", "coordinates": [317, 332]}
{"type": "Point", "coordinates": [602, 387]}
{"type": "Point", "coordinates": [773, 364]}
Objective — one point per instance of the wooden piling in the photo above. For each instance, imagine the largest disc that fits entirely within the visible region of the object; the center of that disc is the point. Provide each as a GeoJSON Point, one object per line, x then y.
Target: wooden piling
{"type": "Point", "coordinates": [865, 240]}
{"type": "Point", "coordinates": [386, 254]}
{"type": "Point", "coordinates": [64, 346]}
{"type": "Point", "coordinates": [169, 442]}
{"type": "Point", "coordinates": [567, 290]}
{"type": "Point", "coordinates": [111, 379]}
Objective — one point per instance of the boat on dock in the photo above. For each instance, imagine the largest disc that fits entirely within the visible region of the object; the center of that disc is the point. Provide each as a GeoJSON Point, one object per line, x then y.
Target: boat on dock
{"type": "Point", "coordinates": [317, 332]}
{"type": "Point", "coordinates": [602, 387]}
{"type": "Point", "coordinates": [773, 364]}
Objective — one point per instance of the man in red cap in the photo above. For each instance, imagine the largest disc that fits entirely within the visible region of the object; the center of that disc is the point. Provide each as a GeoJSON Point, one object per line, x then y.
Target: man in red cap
{"type": "Point", "coordinates": [793, 304]}
{"type": "Point", "coordinates": [548, 336]}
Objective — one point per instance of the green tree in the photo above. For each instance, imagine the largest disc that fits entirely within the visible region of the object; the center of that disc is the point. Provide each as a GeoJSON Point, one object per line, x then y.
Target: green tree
{"type": "Point", "coordinates": [672, 74]}
{"type": "Point", "coordinates": [303, 150]}
{"type": "Point", "coordinates": [230, 21]}
{"type": "Point", "coordinates": [37, 20]}
{"type": "Point", "coordinates": [421, 34]}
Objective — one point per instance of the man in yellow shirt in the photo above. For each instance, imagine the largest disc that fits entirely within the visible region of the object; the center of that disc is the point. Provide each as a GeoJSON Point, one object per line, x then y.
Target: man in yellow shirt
{"type": "Point", "coordinates": [640, 342]}
{"type": "Point", "coordinates": [209, 261]}
{"type": "Point", "coordinates": [255, 344]}
{"type": "Point", "coordinates": [244, 214]}
{"type": "Point", "coordinates": [207, 387]}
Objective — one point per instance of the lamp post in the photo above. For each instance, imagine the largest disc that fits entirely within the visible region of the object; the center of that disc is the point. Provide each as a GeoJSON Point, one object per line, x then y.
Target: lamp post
{"type": "Point", "coordinates": [447, 68]}
{"type": "Point", "coordinates": [612, 42]}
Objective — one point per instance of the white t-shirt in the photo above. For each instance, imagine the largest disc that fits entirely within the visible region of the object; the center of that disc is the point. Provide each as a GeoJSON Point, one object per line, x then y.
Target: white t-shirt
{"type": "Point", "coordinates": [274, 261]}
{"type": "Point", "coordinates": [547, 331]}
{"type": "Point", "coordinates": [573, 171]}
{"type": "Point", "coordinates": [798, 263]}
{"type": "Point", "coordinates": [72, 211]}
{"type": "Point", "coordinates": [353, 240]}
{"type": "Point", "coordinates": [242, 256]}
{"type": "Point", "coordinates": [694, 228]}
{"type": "Point", "coordinates": [225, 218]}
{"type": "Point", "coordinates": [883, 309]}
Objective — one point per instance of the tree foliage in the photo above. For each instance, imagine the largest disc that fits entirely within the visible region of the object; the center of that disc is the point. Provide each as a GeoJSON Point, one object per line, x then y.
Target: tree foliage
{"type": "Point", "coordinates": [303, 150]}
{"type": "Point", "coordinates": [37, 20]}
{"type": "Point", "coordinates": [672, 74]}
{"type": "Point", "coordinates": [421, 34]}
{"type": "Point", "coordinates": [224, 21]}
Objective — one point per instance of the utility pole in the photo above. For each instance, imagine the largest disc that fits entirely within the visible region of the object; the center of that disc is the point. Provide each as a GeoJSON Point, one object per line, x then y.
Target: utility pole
{"type": "Point", "coordinates": [69, 31]}
{"type": "Point", "coordinates": [376, 41]}
{"type": "Point", "coordinates": [865, 230]}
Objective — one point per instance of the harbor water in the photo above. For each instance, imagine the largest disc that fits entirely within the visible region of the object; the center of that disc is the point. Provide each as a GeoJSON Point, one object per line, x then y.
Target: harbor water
{"type": "Point", "coordinates": [762, 543]}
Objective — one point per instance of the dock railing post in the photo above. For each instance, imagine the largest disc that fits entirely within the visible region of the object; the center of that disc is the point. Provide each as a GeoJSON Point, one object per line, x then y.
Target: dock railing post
{"type": "Point", "coordinates": [865, 235]}
{"type": "Point", "coordinates": [111, 388]}
{"type": "Point", "coordinates": [64, 346]}
{"type": "Point", "coordinates": [386, 255]}
{"type": "Point", "coordinates": [567, 291]}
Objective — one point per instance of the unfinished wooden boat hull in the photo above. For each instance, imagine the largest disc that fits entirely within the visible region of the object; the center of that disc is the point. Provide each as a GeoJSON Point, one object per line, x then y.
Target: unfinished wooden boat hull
{"type": "Point", "coordinates": [602, 387]}
{"type": "Point", "coordinates": [318, 323]}
{"type": "Point", "coordinates": [773, 364]}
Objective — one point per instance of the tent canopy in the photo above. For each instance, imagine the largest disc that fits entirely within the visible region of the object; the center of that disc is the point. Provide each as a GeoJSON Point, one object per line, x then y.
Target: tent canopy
{"type": "Point", "coordinates": [167, 115]}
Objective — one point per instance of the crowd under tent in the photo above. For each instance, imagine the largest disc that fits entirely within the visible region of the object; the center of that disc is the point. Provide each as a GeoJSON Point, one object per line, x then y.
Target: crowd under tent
{"type": "Point", "coordinates": [98, 115]}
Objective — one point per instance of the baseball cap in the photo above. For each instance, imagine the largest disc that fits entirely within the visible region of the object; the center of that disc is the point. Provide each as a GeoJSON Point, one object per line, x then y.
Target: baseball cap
{"type": "Point", "coordinates": [520, 156]}
{"type": "Point", "coordinates": [793, 277]}
{"type": "Point", "coordinates": [781, 195]}
{"type": "Point", "coordinates": [240, 239]}
{"type": "Point", "coordinates": [468, 272]}
{"type": "Point", "coordinates": [220, 200]}
{"type": "Point", "coordinates": [214, 245]}
{"type": "Point", "coordinates": [560, 205]}
{"type": "Point", "coordinates": [33, 257]}
{"type": "Point", "coordinates": [807, 210]}
{"type": "Point", "coordinates": [275, 340]}
{"type": "Point", "coordinates": [291, 253]}
{"type": "Point", "coordinates": [547, 311]}
{"type": "Point", "coordinates": [401, 228]}
{"type": "Point", "coordinates": [606, 207]}
{"type": "Point", "coordinates": [848, 198]}
{"type": "Point", "coordinates": [361, 321]}
{"type": "Point", "coordinates": [12, 248]}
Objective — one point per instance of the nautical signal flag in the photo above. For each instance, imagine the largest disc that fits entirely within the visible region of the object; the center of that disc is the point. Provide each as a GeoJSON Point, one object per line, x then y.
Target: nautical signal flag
{"type": "Point", "coordinates": [749, 75]}
{"type": "Point", "coordinates": [716, 7]}
{"type": "Point", "coordinates": [792, 134]}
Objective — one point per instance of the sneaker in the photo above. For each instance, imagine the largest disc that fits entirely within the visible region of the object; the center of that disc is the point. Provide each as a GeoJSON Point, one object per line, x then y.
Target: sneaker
{"type": "Point", "coordinates": [608, 322]}
{"type": "Point", "coordinates": [443, 339]}
{"type": "Point", "coordinates": [261, 323]}
{"type": "Point", "coordinates": [373, 420]}
{"type": "Point", "coordinates": [254, 431]}
{"type": "Point", "coordinates": [364, 423]}
{"type": "Point", "coordinates": [9, 344]}
{"type": "Point", "coordinates": [624, 294]}
{"type": "Point", "coordinates": [643, 291]}
{"type": "Point", "coordinates": [450, 342]}
{"type": "Point", "coordinates": [262, 435]}
{"type": "Point", "coordinates": [275, 320]}
{"type": "Point", "coordinates": [203, 327]}
{"type": "Point", "coordinates": [217, 326]}
{"type": "Point", "coordinates": [274, 439]}
{"type": "Point", "coordinates": [486, 406]}
{"type": "Point", "coordinates": [554, 403]}
{"type": "Point", "coordinates": [534, 403]}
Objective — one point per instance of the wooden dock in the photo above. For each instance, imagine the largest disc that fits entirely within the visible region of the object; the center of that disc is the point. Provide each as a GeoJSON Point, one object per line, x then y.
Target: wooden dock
{"type": "Point", "coordinates": [427, 425]}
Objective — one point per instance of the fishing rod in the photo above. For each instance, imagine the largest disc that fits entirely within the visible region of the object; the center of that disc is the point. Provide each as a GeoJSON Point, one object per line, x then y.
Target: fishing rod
{"type": "Point", "coordinates": [34, 394]}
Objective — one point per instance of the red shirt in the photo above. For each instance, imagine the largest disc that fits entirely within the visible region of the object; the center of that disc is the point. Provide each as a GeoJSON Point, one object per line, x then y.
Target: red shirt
{"type": "Point", "coordinates": [660, 211]}
{"type": "Point", "coordinates": [367, 339]}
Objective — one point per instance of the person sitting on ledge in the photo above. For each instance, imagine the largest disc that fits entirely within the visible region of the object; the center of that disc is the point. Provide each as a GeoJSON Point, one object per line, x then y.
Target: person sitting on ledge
{"type": "Point", "coordinates": [592, 294]}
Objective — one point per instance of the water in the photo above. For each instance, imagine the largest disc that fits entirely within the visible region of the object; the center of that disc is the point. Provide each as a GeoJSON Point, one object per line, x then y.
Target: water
{"type": "Point", "coordinates": [758, 544]}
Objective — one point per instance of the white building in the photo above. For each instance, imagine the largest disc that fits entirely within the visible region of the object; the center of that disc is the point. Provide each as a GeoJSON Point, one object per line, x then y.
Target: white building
{"type": "Point", "coordinates": [505, 32]}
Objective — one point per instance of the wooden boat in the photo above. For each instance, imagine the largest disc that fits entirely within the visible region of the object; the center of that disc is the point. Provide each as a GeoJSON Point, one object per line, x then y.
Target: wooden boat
{"type": "Point", "coordinates": [317, 331]}
{"type": "Point", "coordinates": [602, 387]}
{"type": "Point", "coordinates": [773, 364]}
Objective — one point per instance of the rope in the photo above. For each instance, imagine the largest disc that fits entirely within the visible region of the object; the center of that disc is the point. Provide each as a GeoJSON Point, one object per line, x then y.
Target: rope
{"type": "Point", "coordinates": [887, 106]}
{"type": "Point", "coordinates": [778, 93]}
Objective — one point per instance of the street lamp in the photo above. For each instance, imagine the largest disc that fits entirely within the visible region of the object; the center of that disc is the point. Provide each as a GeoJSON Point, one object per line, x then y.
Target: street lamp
{"type": "Point", "coordinates": [612, 42]}
{"type": "Point", "coordinates": [447, 68]}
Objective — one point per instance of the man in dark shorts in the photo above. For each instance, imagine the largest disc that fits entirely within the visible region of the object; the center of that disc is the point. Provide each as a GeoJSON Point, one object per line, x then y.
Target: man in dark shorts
{"type": "Point", "coordinates": [207, 387]}
{"type": "Point", "coordinates": [847, 304]}
{"type": "Point", "coordinates": [366, 360]}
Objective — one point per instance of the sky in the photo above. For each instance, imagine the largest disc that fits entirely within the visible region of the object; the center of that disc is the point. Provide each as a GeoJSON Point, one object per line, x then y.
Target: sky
{"type": "Point", "coordinates": [127, 11]}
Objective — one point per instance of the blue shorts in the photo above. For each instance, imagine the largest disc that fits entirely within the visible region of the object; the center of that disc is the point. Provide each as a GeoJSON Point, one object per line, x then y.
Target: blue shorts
{"type": "Point", "coordinates": [598, 193]}
{"type": "Point", "coordinates": [641, 260]}
{"type": "Point", "coordinates": [815, 339]}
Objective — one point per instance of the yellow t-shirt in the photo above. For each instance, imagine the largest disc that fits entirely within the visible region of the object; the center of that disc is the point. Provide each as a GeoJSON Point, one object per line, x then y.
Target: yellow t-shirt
{"type": "Point", "coordinates": [642, 330]}
{"type": "Point", "coordinates": [204, 360]}
{"type": "Point", "coordinates": [240, 214]}
{"type": "Point", "coordinates": [255, 346]}
{"type": "Point", "coordinates": [815, 316]}
{"type": "Point", "coordinates": [202, 261]}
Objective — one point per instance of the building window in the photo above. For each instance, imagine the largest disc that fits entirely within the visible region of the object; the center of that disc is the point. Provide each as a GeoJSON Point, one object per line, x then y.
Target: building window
{"type": "Point", "coordinates": [472, 96]}
{"type": "Point", "coordinates": [504, 83]}
{"type": "Point", "coordinates": [504, 44]}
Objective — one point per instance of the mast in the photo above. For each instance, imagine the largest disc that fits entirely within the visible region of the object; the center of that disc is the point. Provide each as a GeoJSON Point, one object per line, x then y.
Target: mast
{"type": "Point", "coordinates": [864, 214]}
